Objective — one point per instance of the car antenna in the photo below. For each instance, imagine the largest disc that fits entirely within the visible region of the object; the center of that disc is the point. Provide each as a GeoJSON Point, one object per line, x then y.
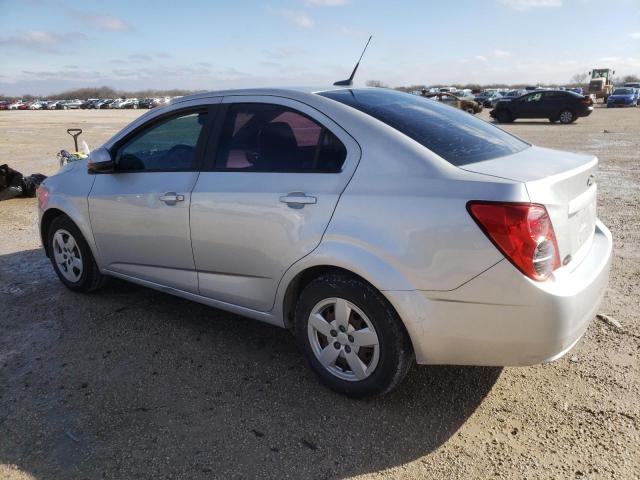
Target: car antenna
{"type": "Point", "coordinates": [349, 82]}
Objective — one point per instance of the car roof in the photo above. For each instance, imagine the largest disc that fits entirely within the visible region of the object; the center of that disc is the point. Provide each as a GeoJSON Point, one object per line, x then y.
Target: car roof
{"type": "Point", "coordinates": [275, 91]}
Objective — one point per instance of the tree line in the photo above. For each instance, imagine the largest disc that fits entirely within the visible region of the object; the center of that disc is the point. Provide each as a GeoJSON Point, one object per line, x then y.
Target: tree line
{"type": "Point", "coordinates": [106, 92]}
{"type": "Point", "coordinates": [578, 80]}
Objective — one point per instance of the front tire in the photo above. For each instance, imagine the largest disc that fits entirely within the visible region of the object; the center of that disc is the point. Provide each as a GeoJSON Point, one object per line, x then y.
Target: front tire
{"type": "Point", "coordinates": [503, 116]}
{"type": "Point", "coordinates": [71, 257]}
{"type": "Point", "coordinates": [351, 337]}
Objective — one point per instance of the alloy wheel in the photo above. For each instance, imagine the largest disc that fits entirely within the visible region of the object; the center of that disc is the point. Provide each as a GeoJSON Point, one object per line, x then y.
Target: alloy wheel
{"type": "Point", "coordinates": [67, 256]}
{"type": "Point", "coordinates": [343, 339]}
{"type": "Point", "coordinates": [566, 116]}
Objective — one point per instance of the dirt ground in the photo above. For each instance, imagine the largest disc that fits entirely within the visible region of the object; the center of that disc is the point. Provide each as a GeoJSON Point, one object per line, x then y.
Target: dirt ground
{"type": "Point", "coordinates": [131, 383]}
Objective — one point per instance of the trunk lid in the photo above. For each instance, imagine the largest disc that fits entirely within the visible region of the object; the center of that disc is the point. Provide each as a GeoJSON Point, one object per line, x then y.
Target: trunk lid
{"type": "Point", "coordinates": [564, 183]}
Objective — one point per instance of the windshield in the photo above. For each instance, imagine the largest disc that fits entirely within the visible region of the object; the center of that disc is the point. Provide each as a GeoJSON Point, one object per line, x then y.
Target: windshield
{"type": "Point", "coordinates": [453, 134]}
{"type": "Point", "coordinates": [623, 91]}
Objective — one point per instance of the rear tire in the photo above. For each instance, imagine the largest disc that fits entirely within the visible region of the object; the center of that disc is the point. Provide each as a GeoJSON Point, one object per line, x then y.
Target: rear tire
{"type": "Point", "coordinates": [567, 116]}
{"type": "Point", "coordinates": [351, 337]}
{"type": "Point", "coordinates": [71, 257]}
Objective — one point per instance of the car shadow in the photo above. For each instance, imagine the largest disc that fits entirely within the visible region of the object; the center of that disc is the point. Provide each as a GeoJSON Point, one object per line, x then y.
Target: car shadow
{"type": "Point", "coordinates": [129, 382]}
{"type": "Point", "coordinates": [533, 122]}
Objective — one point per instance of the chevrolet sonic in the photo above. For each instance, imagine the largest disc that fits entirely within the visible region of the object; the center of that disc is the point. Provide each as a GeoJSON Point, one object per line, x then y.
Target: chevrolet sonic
{"type": "Point", "coordinates": [380, 227]}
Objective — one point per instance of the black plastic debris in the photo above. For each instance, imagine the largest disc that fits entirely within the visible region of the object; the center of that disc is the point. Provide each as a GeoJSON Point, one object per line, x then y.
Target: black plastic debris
{"type": "Point", "coordinates": [14, 184]}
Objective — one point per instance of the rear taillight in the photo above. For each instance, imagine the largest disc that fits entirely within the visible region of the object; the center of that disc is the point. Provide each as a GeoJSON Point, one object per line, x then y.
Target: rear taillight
{"type": "Point", "coordinates": [43, 196]}
{"type": "Point", "coordinates": [586, 101]}
{"type": "Point", "coordinates": [522, 232]}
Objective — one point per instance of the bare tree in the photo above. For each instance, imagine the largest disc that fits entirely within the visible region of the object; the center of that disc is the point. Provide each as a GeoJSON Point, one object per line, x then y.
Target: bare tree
{"type": "Point", "coordinates": [630, 78]}
{"type": "Point", "coordinates": [579, 78]}
{"type": "Point", "coordinates": [376, 83]}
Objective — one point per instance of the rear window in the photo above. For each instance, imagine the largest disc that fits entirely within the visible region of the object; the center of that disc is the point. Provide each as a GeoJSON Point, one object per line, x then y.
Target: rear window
{"type": "Point", "coordinates": [453, 134]}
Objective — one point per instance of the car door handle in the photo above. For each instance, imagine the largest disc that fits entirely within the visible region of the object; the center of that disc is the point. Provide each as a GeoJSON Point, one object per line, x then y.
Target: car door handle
{"type": "Point", "coordinates": [298, 199]}
{"type": "Point", "coordinates": [171, 198]}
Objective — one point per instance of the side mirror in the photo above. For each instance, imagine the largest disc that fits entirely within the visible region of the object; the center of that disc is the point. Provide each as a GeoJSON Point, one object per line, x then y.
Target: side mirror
{"type": "Point", "coordinates": [100, 161]}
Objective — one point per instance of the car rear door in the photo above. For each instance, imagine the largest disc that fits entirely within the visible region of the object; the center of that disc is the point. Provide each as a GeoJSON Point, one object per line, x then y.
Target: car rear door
{"type": "Point", "coordinates": [276, 169]}
{"type": "Point", "coordinates": [140, 212]}
{"type": "Point", "coordinates": [553, 103]}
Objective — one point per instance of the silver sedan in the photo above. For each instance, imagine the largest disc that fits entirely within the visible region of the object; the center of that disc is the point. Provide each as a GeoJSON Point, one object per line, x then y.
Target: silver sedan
{"type": "Point", "coordinates": [381, 228]}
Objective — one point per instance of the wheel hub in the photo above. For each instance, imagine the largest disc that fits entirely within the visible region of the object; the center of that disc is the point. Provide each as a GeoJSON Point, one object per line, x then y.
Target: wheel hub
{"type": "Point", "coordinates": [343, 339]}
{"type": "Point", "coordinates": [67, 256]}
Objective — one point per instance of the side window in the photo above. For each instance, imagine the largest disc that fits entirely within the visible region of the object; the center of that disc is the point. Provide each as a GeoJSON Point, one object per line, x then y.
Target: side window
{"type": "Point", "coordinates": [534, 97]}
{"type": "Point", "coordinates": [167, 145]}
{"type": "Point", "coordinates": [449, 99]}
{"type": "Point", "coordinates": [273, 138]}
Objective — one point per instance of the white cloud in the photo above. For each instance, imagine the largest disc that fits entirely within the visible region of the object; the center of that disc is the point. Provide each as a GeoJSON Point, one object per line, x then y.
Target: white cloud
{"type": "Point", "coordinates": [482, 58]}
{"type": "Point", "coordinates": [528, 4]}
{"type": "Point", "coordinates": [501, 53]}
{"type": "Point", "coordinates": [104, 21]}
{"type": "Point", "coordinates": [327, 3]}
{"type": "Point", "coordinates": [35, 40]}
{"type": "Point", "coordinates": [635, 35]}
{"type": "Point", "coordinates": [299, 19]}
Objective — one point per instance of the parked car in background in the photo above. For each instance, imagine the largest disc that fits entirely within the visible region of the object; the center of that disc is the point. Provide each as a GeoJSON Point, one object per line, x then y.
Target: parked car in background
{"type": "Point", "coordinates": [53, 105]}
{"type": "Point", "coordinates": [579, 90]}
{"type": "Point", "coordinates": [69, 104]}
{"type": "Point", "coordinates": [15, 105]}
{"type": "Point", "coordinates": [555, 105]}
{"type": "Point", "coordinates": [38, 105]}
{"type": "Point", "coordinates": [492, 101]}
{"type": "Point", "coordinates": [497, 257]}
{"type": "Point", "coordinates": [106, 104]}
{"type": "Point", "coordinates": [463, 103]}
{"type": "Point", "coordinates": [89, 104]}
{"type": "Point", "coordinates": [623, 97]}
{"type": "Point", "coordinates": [146, 103]}
{"type": "Point", "coordinates": [129, 103]}
{"type": "Point", "coordinates": [4, 105]}
{"type": "Point", "coordinates": [117, 103]}
{"type": "Point", "coordinates": [487, 97]}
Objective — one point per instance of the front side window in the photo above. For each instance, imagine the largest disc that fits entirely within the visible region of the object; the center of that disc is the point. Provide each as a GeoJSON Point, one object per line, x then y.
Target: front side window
{"type": "Point", "coordinates": [533, 98]}
{"type": "Point", "coordinates": [273, 138]}
{"type": "Point", "coordinates": [453, 134]}
{"type": "Point", "coordinates": [167, 145]}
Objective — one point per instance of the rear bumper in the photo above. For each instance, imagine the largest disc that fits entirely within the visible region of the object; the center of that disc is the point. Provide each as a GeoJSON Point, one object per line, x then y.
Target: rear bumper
{"type": "Point", "coordinates": [502, 318]}
{"type": "Point", "coordinates": [585, 112]}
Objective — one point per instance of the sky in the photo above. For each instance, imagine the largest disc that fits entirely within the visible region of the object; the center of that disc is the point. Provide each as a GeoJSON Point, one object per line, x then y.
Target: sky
{"type": "Point", "coordinates": [47, 46]}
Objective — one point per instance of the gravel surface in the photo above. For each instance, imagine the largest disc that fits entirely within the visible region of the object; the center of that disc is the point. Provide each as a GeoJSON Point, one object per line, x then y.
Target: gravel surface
{"type": "Point", "coordinates": [132, 383]}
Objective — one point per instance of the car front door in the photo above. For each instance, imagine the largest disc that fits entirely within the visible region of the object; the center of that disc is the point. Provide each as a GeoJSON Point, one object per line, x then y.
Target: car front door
{"type": "Point", "coordinates": [276, 173]}
{"type": "Point", "coordinates": [529, 106]}
{"type": "Point", "coordinates": [140, 212]}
